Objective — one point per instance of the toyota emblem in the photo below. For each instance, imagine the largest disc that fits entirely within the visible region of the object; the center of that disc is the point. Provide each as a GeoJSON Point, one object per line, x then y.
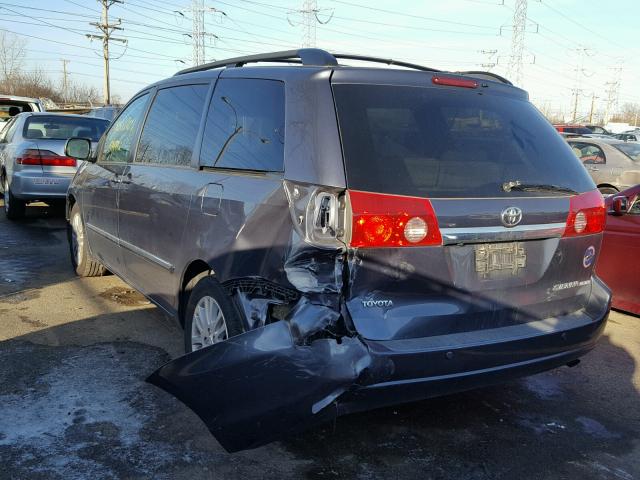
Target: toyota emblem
{"type": "Point", "coordinates": [511, 216]}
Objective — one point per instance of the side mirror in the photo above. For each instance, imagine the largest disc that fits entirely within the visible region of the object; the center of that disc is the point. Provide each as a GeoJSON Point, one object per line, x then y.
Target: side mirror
{"type": "Point", "coordinates": [619, 205]}
{"type": "Point", "coordinates": [79, 148]}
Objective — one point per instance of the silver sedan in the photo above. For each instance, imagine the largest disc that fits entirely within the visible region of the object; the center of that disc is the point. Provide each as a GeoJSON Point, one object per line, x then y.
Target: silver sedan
{"type": "Point", "coordinates": [33, 165]}
{"type": "Point", "coordinates": [613, 164]}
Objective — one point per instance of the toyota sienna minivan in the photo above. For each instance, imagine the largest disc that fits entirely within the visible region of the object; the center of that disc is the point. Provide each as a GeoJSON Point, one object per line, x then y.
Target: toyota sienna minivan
{"type": "Point", "coordinates": [336, 238]}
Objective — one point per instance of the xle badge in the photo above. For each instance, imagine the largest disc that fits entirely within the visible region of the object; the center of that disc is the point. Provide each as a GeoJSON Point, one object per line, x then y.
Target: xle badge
{"type": "Point", "coordinates": [589, 256]}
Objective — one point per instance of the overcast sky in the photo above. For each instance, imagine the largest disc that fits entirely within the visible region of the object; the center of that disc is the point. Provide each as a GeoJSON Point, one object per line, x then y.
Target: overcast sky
{"type": "Point", "coordinates": [450, 34]}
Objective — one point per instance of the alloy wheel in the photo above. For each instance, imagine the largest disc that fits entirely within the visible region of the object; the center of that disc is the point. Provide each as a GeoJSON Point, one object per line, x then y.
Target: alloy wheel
{"type": "Point", "coordinates": [208, 325]}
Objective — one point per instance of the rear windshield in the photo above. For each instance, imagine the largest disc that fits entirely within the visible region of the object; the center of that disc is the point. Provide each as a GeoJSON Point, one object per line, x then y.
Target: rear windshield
{"type": "Point", "coordinates": [10, 109]}
{"type": "Point", "coordinates": [631, 150]}
{"type": "Point", "coordinates": [62, 128]}
{"type": "Point", "coordinates": [449, 143]}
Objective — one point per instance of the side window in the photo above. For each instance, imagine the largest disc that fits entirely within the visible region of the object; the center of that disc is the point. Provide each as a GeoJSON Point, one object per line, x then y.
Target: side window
{"type": "Point", "coordinates": [9, 130]}
{"type": "Point", "coordinates": [122, 134]}
{"type": "Point", "coordinates": [635, 206]}
{"type": "Point", "coordinates": [245, 126]}
{"type": "Point", "coordinates": [588, 153]}
{"type": "Point", "coordinates": [169, 134]}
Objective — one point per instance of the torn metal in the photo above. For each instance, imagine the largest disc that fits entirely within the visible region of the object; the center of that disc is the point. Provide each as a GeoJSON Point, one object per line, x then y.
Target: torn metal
{"type": "Point", "coordinates": [271, 381]}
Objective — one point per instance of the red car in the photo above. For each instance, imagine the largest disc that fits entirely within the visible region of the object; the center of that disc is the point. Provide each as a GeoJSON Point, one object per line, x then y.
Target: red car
{"type": "Point", "coordinates": [619, 261]}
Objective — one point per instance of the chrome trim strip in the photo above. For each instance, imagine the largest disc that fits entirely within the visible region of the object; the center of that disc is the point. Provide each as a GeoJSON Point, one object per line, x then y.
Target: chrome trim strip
{"type": "Point", "coordinates": [498, 233]}
{"type": "Point", "coordinates": [132, 248]}
{"type": "Point", "coordinates": [149, 256]}
{"type": "Point", "coordinates": [99, 231]}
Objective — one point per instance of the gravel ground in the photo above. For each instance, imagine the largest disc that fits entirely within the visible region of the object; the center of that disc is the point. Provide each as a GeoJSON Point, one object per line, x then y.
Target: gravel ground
{"type": "Point", "coordinates": [74, 354]}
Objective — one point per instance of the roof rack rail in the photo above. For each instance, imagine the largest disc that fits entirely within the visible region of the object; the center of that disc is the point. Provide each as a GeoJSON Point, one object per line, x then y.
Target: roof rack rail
{"type": "Point", "coordinates": [386, 61]}
{"type": "Point", "coordinates": [306, 56]}
{"type": "Point", "coordinates": [485, 76]}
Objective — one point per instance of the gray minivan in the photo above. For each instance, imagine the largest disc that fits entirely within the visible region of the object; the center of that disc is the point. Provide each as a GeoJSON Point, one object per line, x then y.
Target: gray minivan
{"type": "Point", "coordinates": [338, 238]}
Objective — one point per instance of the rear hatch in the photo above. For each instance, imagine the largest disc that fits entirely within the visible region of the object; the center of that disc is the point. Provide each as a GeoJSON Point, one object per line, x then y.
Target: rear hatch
{"type": "Point", "coordinates": [45, 137]}
{"type": "Point", "coordinates": [467, 209]}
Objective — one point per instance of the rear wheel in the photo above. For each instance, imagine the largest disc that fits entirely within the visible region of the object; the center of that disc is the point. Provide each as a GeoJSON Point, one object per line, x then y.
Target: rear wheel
{"type": "Point", "coordinates": [83, 263]}
{"type": "Point", "coordinates": [210, 316]}
{"type": "Point", "coordinates": [607, 190]}
{"type": "Point", "coordinates": [14, 208]}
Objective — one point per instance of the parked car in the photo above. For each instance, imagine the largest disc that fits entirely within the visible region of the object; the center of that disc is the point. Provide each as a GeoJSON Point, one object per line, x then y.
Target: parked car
{"type": "Point", "coordinates": [579, 129]}
{"type": "Point", "coordinates": [619, 261]}
{"type": "Point", "coordinates": [11, 105]}
{"type": "Point", "coordinates": [598, 130]}
{"type": "Point", "coordinates": [627, 137]}
{"type": "Point", "coordinates": [613, 164]}
{"type": "Point", "coordinates": [33, 165]}
{"type": "Point", "coordinates": [107, 112]}
{"type": "Point", "coordinates": [336, 238]}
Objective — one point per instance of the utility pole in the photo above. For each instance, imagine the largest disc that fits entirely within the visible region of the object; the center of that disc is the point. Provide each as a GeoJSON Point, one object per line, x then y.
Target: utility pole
{"type": "Point", "coordinates": [65, 83]}
{"type": "Point", "coordinates": [580, 72]}
{"type": "Point", "coordinates": [593, 104]}
{"type": "Point", "coordinates": [107, 30]}
{"type": "Point", "coordinates": [517, 42]}
{"type": "Point", "coordinates": [310, 18]}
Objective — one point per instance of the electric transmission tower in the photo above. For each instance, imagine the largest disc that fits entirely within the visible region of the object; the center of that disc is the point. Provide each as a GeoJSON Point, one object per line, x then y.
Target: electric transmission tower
{"type": "Point", "coordinates": [107, 29]}
{"type": "Point", "coordinates": [613, 92]}
{"type": "Point", "coordinates": [198, 30]}
{"type": "Point", "coordinates": [582, 52]}
{"type": "Point", "coordinates": [517, 42]}
{"type": "Point", "coordinates": [310, 18]}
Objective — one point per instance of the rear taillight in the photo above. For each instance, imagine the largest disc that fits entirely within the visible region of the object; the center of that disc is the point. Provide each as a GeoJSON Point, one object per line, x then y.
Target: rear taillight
{"type": "Point", "coordinates": [47, 158]}
{"type": "Point", "coordinates": [587, 214]}
{"type": "Point", "coordinates": [381, 220]}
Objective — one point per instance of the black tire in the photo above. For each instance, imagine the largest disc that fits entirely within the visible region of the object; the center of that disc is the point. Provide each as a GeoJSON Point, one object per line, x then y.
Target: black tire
{"type": "Point", "coordinates": [83, 263]}
{"type": "Point", "coordinates": [607, 190]}
{"type": "Point", "coordinates": [209, 287]}
{"type": "Point", "coordinates": [14, 208]}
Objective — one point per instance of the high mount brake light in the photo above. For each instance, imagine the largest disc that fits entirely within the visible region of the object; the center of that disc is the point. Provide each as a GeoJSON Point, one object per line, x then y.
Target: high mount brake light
{"type": "Point", "coordinates": [454, 82]}
{"type": "Point", "coordinates": [381, 220]}
{"type": "Point", "coordinates": [46, 158]}
{"type": "Point", "coordinates": [587, 214]}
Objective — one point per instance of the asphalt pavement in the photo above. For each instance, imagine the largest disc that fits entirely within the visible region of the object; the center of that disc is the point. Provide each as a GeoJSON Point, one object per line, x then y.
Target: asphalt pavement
{"type": "Point", "coordinates": [74, 354]}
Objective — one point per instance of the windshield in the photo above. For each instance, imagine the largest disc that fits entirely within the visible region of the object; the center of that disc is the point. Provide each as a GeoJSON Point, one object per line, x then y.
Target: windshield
{"type": "Point", "coordinates": [62, 127]}
{"type": "Point", "coordinates": [631, 150]}
{"type": "Point", "coordinates": [9, 109]}
{"type": "Point", "coordinates": [432, 142]}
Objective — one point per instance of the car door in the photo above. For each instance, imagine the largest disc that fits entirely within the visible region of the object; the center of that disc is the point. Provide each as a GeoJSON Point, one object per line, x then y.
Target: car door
{"type": "Point", "coordinates": [101, 182]}
{"type": "Point", "coordinates": [156, 192]}
{"type": "Point", "coordinates": [593, 158]}
{"type": "Point", "coordinates": [619, 261]}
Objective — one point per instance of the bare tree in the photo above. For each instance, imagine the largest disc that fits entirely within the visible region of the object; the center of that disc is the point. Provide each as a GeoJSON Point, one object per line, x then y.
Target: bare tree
{"type": "Point", "coordinates": [12, 55]}
{"type": "Point", "coordinates": [628, 113]}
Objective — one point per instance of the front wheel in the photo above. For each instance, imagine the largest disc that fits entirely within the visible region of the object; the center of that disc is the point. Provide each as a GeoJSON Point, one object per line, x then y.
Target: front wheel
{"type": "Point", "coordinates": [81, 261]}
{"type": "Point", "coordinates": [14, 208]}
{"type": "Point", "coordinates": [210, 316]}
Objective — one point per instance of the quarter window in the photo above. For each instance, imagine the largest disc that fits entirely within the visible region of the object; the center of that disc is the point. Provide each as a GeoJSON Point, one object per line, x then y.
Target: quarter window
{"type": "Point", "coordinates": [588, 153]}
{"type": "Point", "coordinates": [121, 136]}
{"type": "Point", "coordinates": [245, 126]}
{"type": "Point", "coordinates": [170, 131]}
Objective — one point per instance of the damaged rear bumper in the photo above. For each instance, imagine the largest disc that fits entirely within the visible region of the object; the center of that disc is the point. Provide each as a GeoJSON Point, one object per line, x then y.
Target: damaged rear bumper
{"type": "Point", "coordinates": [283, 378]}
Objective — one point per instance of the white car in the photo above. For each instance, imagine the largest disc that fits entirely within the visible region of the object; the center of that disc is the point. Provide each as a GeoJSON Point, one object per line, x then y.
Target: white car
{"type": "Point", "coordinates": [11, 105]}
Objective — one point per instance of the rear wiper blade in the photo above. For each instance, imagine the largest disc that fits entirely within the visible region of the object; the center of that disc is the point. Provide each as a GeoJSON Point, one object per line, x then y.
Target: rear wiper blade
{"type": "Point", "coordinates": [517, 186]}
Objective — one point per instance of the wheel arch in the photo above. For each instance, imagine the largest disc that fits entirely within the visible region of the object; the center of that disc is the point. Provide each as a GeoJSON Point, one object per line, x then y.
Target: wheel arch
{"type": "Point", "coordinates": [195, 270]}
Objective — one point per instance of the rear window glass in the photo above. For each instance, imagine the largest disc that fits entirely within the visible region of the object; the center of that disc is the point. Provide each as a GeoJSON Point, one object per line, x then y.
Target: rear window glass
{"type": "Point", "coordinates": [9, 109]}
{"type": "Point", "coordinates": [631, 150]}
{"type": "Point", "coordinates": [62, 128]}
{"type": "Point", "coordinates": [449, 143]}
